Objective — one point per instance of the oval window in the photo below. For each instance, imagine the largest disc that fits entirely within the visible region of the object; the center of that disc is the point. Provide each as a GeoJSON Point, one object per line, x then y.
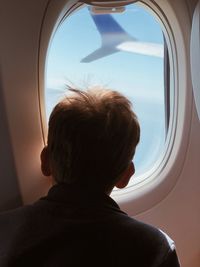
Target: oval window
{"type": "Point", "coordinates": [125, 51]}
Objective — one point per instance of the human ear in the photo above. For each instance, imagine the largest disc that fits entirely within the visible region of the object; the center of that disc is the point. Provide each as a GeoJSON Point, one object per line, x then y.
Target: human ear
{"type": "Point", "coordinates": [125, 177]}
{"type": "Point", "coordinates": [45, 162]}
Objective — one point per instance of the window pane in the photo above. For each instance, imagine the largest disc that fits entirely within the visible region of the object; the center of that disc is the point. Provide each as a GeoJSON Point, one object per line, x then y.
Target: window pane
{"type": "Point", "coordinates": [122, 51]}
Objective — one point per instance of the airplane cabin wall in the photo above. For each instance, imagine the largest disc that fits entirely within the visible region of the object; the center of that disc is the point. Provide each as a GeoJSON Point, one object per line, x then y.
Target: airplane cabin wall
{"type": "Point", "coordinates": [20, 25]}
{"type": "Point", "coordinates": [9, 192]}
{"type": "Point", "coordinates": [191, 6]}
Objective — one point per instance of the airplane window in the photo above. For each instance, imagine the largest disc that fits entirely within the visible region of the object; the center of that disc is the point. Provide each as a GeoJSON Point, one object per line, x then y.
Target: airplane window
{"type": "Point", "coordinates": [125, 51]}
{"type": "Point", "coordinates": [195, 55]}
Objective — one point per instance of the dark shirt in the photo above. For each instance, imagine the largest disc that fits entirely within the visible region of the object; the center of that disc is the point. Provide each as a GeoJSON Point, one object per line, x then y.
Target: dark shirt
{"type": "Point", "coordinates": [74, 226]}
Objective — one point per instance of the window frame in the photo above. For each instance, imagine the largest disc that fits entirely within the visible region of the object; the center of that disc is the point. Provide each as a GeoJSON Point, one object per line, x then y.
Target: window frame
{"type": "Point", "coordinates": [166, 174]}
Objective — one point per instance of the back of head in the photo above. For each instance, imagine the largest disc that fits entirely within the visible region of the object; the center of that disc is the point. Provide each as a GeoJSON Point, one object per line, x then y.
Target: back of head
{"type": "Point", "coordinates": [92, 137]}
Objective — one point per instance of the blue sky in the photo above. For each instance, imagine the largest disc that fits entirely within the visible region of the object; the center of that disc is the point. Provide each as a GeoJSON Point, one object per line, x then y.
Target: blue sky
{"type": "Point", "coordinates": [139, 77]}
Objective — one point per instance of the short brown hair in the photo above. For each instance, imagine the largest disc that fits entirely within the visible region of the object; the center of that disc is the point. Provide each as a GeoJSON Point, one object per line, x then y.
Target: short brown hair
{"type": "Point", "coordinates": [92, 137]}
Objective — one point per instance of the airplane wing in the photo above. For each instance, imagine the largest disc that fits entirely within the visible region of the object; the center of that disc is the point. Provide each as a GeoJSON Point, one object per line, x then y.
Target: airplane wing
{"type": "Point", "coordinates": [99, 53]}
{"type": "Point", "coordinates": [112, 34]}
{"type": "Point", "coordinates": [114, 39]}
{"type": "Point", "coordinates": [106, 24]}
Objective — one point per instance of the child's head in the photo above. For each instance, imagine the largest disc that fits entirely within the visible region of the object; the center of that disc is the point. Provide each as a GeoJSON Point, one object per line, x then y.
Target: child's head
{"type": "Point", "coordinates": [92, 138]}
